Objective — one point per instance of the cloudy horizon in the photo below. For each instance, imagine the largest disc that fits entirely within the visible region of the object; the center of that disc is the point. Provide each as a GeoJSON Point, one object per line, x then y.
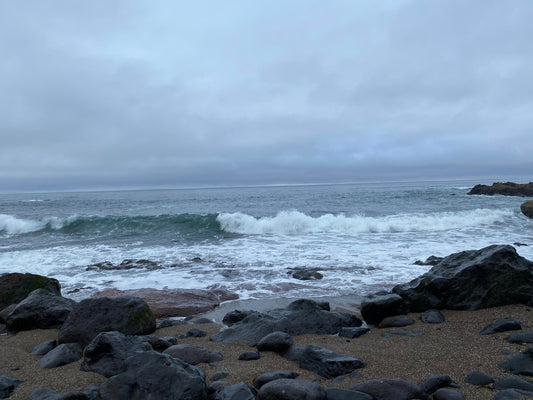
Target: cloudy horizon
{"type": "Point", "coordinates": [100, 95]}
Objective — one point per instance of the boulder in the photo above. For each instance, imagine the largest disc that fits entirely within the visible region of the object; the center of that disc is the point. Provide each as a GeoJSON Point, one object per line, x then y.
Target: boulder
{"type": "Point", "coordinates": [327, 363]}
{"type": "Point", "coordinates": [159, 343]}
{"type": "Point", "coordinates": [478, 378]}
{"type": "Point", "coordinates": [193, 333]}
{"type": "Point", "coordinates": [249, 356]}
{"type": "Point", "coordinates": [521, 337]}
{"type": "Point", "coordinates": [50, 394]}
{"type": "Point", "coordinates": [192, 354]}
{"type": "Point", "coordinates": [431, 260]}
{"type": "Point", "coordinates": [387, 335]}
{"type": "Point", "coordinates": [396, 321]}
{"type": "Point", "coordinates": [300, 317]}
{"type": "Point", "coordinates": [174, 302]}
{"type": "Point", "coordinates": [239, 391]}
{"type": "Point", "coordinates": [306, 274]}
{"type": "Point", "coordinates": [276, 341]}
{"type": "Point", "coordinates": [63, 354]}
{"type": "Point", "coordinates": [527, 208]}
{"type": "Point", "coordinates": [236, 316]}
{"type": "Point", "coordinates": [129, 315]}
{"type": "Point", "coordinates": [513, 382]}
{"type": "Point", "coordinates": [505, 189]}
{"type": "Point", "coordinates": [381, 305]}
{"type": "Point", "coordinates": [291, 389]}
{"type": "Point", "coordinates": [447, 394]}
{"type": "Point", "coordinates": [493, 276]}
{"type": "Point", "coordinates": [42, 309]}
{"type": "Point", "coordinates": [432, 317]}
{"type": "Point", "coordinates": [44, 347]}
{"type": "Point", "coordinates": [502, 325]}
{"type": "Point", "coordinates": [436, 382]}
{"type": "Point", "coordinates": [521, 364]}
{"type": "Point", "coordinates": [513, 394]}
{"type": "Point", "coordinates": [151, 375]}
{"type": "Point", "coordinates": [390, 389]}
{"type": "Point", "coordinates": [272, 376]}
{"type": "Point", "coordinates": [7, 385]}
{"type": "Point", "coordinates": [346, 394]}
{"type": "Point", "coordinates": [15, 287]}
{"type": "Point", "coordinates": [4, 313]}
{"type": "Point", "coordinates": [107, 352]}
{"type": "Point", "coordinates": [353, 332]}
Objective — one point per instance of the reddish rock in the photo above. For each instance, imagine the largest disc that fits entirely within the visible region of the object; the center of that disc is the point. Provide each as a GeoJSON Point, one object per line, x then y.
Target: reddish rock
{"type": "Point", "coordinates": [175, 302]}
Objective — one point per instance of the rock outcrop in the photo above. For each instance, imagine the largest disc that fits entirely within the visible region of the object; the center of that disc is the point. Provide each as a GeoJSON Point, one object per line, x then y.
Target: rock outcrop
{"type": "Point", "coordinates": [15, 287]}
{"type": "Point", "coordinates": [504, 188]}
{"type": "Point", "coordinates": [527, 208]}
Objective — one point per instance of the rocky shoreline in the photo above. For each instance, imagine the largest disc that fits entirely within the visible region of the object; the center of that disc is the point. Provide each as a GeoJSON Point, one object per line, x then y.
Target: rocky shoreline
{"type": "Point", "coordinates": [462, 330]}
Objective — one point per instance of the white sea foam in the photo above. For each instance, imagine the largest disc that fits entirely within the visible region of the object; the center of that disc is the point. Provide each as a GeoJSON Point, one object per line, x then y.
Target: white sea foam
{"type": "Point", "coordinates": [12, 225]}
{"type": "Point", "coordinates": [295, 222]}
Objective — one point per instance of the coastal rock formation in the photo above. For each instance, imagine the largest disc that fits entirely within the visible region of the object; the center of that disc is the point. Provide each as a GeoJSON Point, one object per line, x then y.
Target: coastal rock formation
{"type": "Point", "coordinates": [493, 276]}
{"type": "Point", "coordinates": [15, 287]}
{"type": "Point", "coordinates": [506, 189]}
{"type": "Point", "coordinates": [175, 302]}
{"type": "Point", "coordinates": [129, 315]}
{"type": "Point", "coordinates": [527, 208]}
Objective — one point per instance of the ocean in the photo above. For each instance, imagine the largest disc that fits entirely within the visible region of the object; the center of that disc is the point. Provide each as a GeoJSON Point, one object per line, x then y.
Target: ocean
{"type": "Point", "coordinates": [359, 237]}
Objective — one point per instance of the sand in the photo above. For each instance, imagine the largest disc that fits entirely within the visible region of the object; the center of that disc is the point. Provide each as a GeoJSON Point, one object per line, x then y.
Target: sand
{"type": "Point", "coordinates": [454, 348]}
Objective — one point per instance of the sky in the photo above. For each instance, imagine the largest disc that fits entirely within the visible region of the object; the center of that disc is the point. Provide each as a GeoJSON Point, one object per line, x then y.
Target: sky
{"type": "Point", "coordinates": [123, 94]}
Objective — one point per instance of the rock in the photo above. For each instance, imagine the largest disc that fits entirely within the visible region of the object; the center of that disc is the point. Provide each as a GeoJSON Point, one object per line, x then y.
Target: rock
{"type": "Point", "coordinates": [44, 347]}
{"type": "Point", "coordinates": [63, 354]}
{"type": "Point", "coordinates": [527, 208]}
{"type": "Point", "coordinates": [7, 385]}
{"type": "Point", "coordinates": [107, 353]}
{"type": "Point", "coordinates": [249, 356]}
{"type": "Point", "coordinates": [308, 305]}
{"type": "Point", "coordinates": [294, 353]}
{"type": "Point", "coordinates": [217, 376]}
{"type": "Point", "coordinates": [378, 306]}
{"type": "Point", "coordinates": [512, 394]}
{"type": "Point", "coordinates": [432, 317]}
{"type": "Point", "coordinates": [151, 375]}
{"type": "Point", "coordinates": [50, 394]}
{"type": "Point", "coordinates": [128, 315]}
{"type": "Point", "coordinates": [327, 363]}
{"type": "Point", "coordinates": [203, 321]}
{"type": "Point", "coordinates": [470, 280]}
{"type": "Point", "coordinates": [174, 302]}
{"type": "Point", "coordinates": [291, 389]}
{"type": "Point", "coordinates": [431, 260]}
{"type": "Point", "coordinates": [298, 318]}
{"type": "Point", "coordinates": [42, 309]}
{"type": "Point", "coordinates": [192, 354]}
{"type": "Point", "coordinates": [352, 332]}
{"type": "Point", "coordinates": [236, 316]}
{"type": "Point", "coordinates": [506, 189]}
{"type": "Point", "coordinates": [346, 394]}
{"type": "Point", "coordinates": [272, 376]}
{"type": "Point", "coordinates": [239, 391]}
{"type": "Point", "coordinates": [125, 265]}
{"type": "Point", "coordinates": [159, 343]}
{"type": "Point", "coordinates": [513, 382]}
{"type": "Point", "coordinates": [168, 322]}
{"type": "Point", "coordinates": [387, 335]}
{"type": "Point", "coordinates": [15, 287]}
{"type": "Point", "coordinates": [277, 342]}
{"type": "Point", "coordinates": [502, 325]}
{"type": "Point", "coordinates": [5, 312]}
{"type": "Point", "coordinates": [447, 394]}
{"type": "Point", "coordinates": [305, 274]}
{"type": "Point", "coordinates": [436, 382]}
{"type": "Point", "coordinates": [521, 364]}
{"type": "Point", "coordinates": [478, 378]}
{"type": "Point", "coordinates": [193, 333]}
{"type": "Point", "coordinates": [396, 321]}
{"type": "Point", "coordinates": [390, 389]}
{"type": "Point", "coordinates": [522, 337]}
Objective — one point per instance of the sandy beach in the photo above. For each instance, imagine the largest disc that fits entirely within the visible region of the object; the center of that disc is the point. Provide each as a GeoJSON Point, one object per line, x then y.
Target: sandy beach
{"type": "Point", "coordinates": [454, 348]}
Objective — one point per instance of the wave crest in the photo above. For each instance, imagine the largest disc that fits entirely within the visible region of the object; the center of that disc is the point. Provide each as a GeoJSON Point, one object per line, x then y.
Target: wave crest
{"type": "Point", "coordinates": [295, 222]}
{"type": "Point", "coordinates": [12, 225]}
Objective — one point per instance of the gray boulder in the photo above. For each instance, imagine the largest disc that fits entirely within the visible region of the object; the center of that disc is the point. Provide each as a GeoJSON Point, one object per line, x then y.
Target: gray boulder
{"type": "Point", "coordinates": [447, 394]}
{"type": "Point", "coordinates": [493, 276]}
{"type": "Point", "coordinates": [353, 332]}
{"type": "Point", "coordinates": [272, 376]}
{"type": "Point", "coordinates": [43, 348]}
{"type": "Point", "coordinates": [527, 208]}
{"type": "Point", "coordinates": [7, 385]}
{"type": "Point", "coordinates": [63, 354]}
{"type": "Point", "coordinates": [107, 352]}
{"type": "Point", "coordinates": [376, 307]}
{"type": "Point", "coordinates": [50, 394]}
{"type": "Point", "coordinates": [478, 378]}
{"type": "Point", "coordinates": [276, 341]}
{"type": "Point", "coordinates": [159, 343]}
{"type": "Point", "coordinates": [502, 325]}
{"type": "Point", "coordinates": [150, 375]}
{"type": "Point", "coordinates": [42, 309]}
{"type": "Point", "coordinates": [396, 321]}
{"type": "Point", "coordinates": [327, 363]}
{"type": "Point", "coordinates": [513, 382]}
{"type": "Point", "coordinates": [129, 315]}
{"type": "Point", "coordinates": [15, 287]}
{"type": "Point", "coordinates": [521, 337]}
{"type": "Point", "coordinates": [436, 382]}
{"type": "Point", "coordinates": [521, 364]}
{"type": "Point", "coordinates": [346, 394]}
{"type": "Point", "coordinates": [249, 356]}
{"type": "Point", "coordinates": [390, 389]}
{"type": "Point", "coordinates": [432, 317]}
{"type": "Point", "coordinates": [239, 391]}
{"type": "Point", "coordinates": [291, 389]}
{"type": "Point", "coordinates": [513, 394]}
{"type": "Point", "coordinates": [192, 354]}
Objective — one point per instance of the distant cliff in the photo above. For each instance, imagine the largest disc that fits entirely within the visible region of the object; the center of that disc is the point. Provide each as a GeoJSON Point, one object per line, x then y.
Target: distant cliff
{"type": "Point", "coordinates": [506, 189]}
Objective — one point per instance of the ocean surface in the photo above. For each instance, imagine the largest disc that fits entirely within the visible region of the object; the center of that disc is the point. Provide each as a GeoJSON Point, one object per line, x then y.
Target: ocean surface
{"type": "Point", "coordinates": [359, 237]}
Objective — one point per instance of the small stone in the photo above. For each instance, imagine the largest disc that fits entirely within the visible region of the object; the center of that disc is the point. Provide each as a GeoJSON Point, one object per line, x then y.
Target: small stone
{"type": "Point", "coordinates": [202, 321]}
{"type": "Point", "coordinates": [193, 333]}
{"type": "Point", "coordinates": [168, 322]}
{"type": "Point", "coordinates": [353, 332]}
{"type": "Point", "coordinates": [435, 382]}
{"type": "Point", "coordinates": [478, 378]}
{"type": "Point", "coordinates": [291, 389]}
{"type": "Point", "coordinates": [249, 356]}
{"type": "Point", "coordinates": [263, 379]}
{"type": "Point", "coordinates": [217, 376]}
{"type": "Point", "coordinates": [502, 325]}
{"type": "Point", "coordinates": [432, 317]}
{"type": "Point", "coordinates": [193, 354]}
{"type": "Point", "coordinates": [396, 321]}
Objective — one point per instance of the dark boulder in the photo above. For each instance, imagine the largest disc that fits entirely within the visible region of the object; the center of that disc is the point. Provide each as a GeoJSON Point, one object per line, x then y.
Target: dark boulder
{"type": "Point", "coordinates": [159, 343]}
{"type": "Point", "coordinates": [217, 376]}
{"type": "Point", "coordinates": [272, 376]}
{"type": "Point", "coordinates": [447, 394]}
{"type": "Point", "coordinates": [63, 354]}
{"type": "Point", "coordinates": [327, 363]}
{"type": "Point", "coordinates": [387, 335]}
{"type": "Point", "coordinates": [396, 321]}
{"type": "Point", "coordinates": [390, 389]}
{"type": "Point", "coordinates": [7, 385]}
{"type": "Point", "coordinates": [15, 287]}
{"type": "Point", "coordinates": [432, 317]}
{"type": "Point", "coordinates": [276, 341]}
{"type": "Point", "coordinates": [527, 208]}
{"type": "Point", "coordinates": [129, 315]}
{"type": "Point", "coordinates": [521, 364]}
{"type": "Point", "coordinates": [291, 389]}
{"type": "Point", "coordinates": [249, 356]}
{"type": "Point", "coordinates": [470, 280]}
{"type": "Point", "coordinates": [107, 352]}
{"type": "Point", "coordinates": [193, 333]}
{"type": "Point", "coordinates": [346, 394]}
{"type": "Point", "coordinates": [478, 378]}
{"type": "Point", "coordinates": [50, 394]}
{"type": "Point", "coordinates": [353, 332]}
{"type": "Point", "coordinates": [5, 312]}
{"type": "Point", "coordinates": [192, 354]}
{"type": "Point", "coordinates": [505, 189]}
{"type": "Point", "coordinates": [436, 382]}
{"type": "Point", "coordinates": [502, 325]}
{"type": "Point", "coordinates": [513, 394]}
{"type": "Point", "coordinates": [376, 307]}
{"type": "Point", "coordinates": [42, 309]}
{"type": "Point", "coordinates": [513, 382]}
{"type": "Point", "coordinates": [151, 375]}
{"type": "Point", "coordinates": [239, 391]}
{"type": "Point", "coordinates": [44, 347]}
{"type": "Point", "coordinates": [236, 316]}
{"type": "Point", "coordinates": [431, 260]}
{"type": "Point", "coordinates": [521, 337]}
{"type": "Point", "coordinates": [306, 274]}
{"type": "Point", "coordinates": [300, 317]}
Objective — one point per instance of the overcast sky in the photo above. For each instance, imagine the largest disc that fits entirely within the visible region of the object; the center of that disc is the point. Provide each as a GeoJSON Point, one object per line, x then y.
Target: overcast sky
{"type": "Point", "coordinates": [103, 94]}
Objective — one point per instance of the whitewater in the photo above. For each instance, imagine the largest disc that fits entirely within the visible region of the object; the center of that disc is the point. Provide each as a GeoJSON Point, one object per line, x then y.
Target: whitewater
{"type": "Point", "coordinates": [360, 237]}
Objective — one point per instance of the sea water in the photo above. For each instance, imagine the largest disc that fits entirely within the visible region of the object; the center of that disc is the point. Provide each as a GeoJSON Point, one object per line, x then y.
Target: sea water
{"type": "Point", "coordinates": [359, 237]}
